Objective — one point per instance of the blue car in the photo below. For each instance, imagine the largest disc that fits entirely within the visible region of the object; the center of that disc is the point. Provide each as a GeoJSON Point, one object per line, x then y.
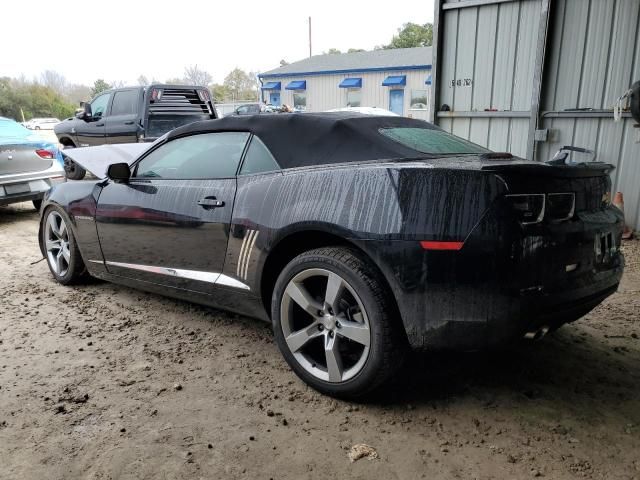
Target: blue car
{"type": "Point", "coordinates": [29, 164]}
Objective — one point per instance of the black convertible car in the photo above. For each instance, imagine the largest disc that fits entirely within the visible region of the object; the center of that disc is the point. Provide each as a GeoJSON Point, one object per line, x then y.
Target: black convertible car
{"type": "Point", "coordinates": [356, 236]}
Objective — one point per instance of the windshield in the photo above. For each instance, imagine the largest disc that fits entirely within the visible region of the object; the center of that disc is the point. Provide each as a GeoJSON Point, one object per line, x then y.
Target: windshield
{"type": "Point", "coordinates": [432, 141]}
{"type": "Point", "coordinates": [9, 128]}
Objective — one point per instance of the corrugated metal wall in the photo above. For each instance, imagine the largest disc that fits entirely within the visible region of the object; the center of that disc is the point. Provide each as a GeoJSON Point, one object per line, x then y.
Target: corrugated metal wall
{"type": "Point", "coordinates": [593, 59]}
{"type": "Point", "coordinates": [323, 92]}
{"type": "Point", "coordinates": [591, 56]}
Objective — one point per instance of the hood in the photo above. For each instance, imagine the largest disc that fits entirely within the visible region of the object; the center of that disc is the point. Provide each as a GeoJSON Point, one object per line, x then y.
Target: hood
{"type": "Point", "coordinates": [97, 159]}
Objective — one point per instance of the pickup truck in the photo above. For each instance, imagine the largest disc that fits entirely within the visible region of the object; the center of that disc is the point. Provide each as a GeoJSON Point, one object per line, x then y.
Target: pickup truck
{"type": "Point", "coordinates": [130, 115]}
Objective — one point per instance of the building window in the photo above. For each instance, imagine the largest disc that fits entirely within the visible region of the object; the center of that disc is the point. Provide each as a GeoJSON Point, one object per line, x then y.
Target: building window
{"type": "Point", "coordinates": [419, 100]}
{"type": "Point", "coordinates": [354, 97]}
{"type": "Point", "coordinates": [300, 100]}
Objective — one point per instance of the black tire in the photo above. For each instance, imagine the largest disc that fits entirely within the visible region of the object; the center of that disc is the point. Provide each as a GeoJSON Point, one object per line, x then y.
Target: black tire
{"type": "Point", "coordinates": [72, 170]}
{"type": "Point", "coordinates": [37, 128]}
{"type": "Point", "coordinates": [37, 203]}
{"type": "Point", "coordinates": [76, 270]}
{"type": "Point", "coordinates": [388, 345]}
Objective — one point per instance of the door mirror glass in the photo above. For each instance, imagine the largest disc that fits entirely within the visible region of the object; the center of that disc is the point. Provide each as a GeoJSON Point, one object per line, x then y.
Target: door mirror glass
{"type": "Point", "coordinates": [119, 172]}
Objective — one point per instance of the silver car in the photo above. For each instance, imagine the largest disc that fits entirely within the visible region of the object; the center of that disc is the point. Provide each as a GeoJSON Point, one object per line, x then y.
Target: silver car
{"type": "Point", "coordinates": [29, 165]}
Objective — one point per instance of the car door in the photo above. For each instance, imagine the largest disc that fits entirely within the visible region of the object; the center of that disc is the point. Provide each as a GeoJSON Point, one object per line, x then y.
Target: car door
{"type": "Point", "coordinates": [121, 124]}
{"type": "Point", "coordinates": [169, 224]}
{"type": "Point", "coordinates": [91, 131]}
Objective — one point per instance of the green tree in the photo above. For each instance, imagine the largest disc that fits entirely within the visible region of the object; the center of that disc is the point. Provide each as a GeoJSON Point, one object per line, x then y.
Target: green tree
{"type": "Point", "coordinates": [219, 92]}
{"type": "Point", "coordinates": [240, 85]}
{"type": "Point", "coordinates": [99, 86]}
{"type": "Point", "coordinates": [32, 99]}
{"type": "Point", "coordinates": [356, 50]}
{"type": "Point", "coordinates": [333, 51]}
{"type": "Point", "coordinates": [412, 35]}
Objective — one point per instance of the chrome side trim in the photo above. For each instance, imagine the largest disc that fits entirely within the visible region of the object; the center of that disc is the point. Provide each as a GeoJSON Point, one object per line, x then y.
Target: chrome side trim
{"type": "Point", "coordinates": [246, 261]}
{"type": "Point", "coordinates": [208, 277]}
{"type": "Point", "coordinates": [231, 282]}
{"type": "Point", "coordinates": [97, 261]}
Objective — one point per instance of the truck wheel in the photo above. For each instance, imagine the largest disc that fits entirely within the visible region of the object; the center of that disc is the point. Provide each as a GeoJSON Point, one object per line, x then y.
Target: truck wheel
{"type": "Point", "coordinates": [72, 170]}
{"type": "Point", "coordinates": [333, 320]}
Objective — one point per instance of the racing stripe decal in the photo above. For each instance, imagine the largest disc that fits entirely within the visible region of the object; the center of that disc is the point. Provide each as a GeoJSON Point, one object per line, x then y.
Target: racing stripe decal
{"type": "Point", "coordinates": [248, 256]}
{"type": "Point", "coordinates": [248, 243]}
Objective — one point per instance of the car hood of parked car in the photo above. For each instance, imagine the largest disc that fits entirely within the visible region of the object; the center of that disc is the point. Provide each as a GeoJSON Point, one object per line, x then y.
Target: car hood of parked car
{"type": "Point", "coordinates": [97, 159]}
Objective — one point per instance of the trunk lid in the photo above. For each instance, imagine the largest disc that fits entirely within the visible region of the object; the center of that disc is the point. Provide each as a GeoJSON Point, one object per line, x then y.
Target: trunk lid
{"type": "Point", "coordinates": [17, 157]}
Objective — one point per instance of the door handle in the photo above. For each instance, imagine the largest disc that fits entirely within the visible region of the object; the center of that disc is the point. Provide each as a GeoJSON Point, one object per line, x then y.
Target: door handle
{"type": "Point", "coordinates": [130, 122]}
{"type": "Point", "coordinates": [99, 124]}
{"type": "Point", "coordinates": [210, 202]}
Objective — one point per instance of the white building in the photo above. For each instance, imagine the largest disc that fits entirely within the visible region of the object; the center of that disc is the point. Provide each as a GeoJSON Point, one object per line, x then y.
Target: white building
{"type": "Point", "coordinates": [398, 80]}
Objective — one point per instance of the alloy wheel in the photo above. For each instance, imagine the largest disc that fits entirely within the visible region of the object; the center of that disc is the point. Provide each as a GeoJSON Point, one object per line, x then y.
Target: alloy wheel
{"type": "Point", "coordinates": [325, 325]}
{"type": "Point", "coordinates": [56, 239]}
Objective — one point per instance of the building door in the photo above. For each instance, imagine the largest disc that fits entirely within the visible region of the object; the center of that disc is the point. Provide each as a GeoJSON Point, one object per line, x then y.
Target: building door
{"type": "Point", "coordinates": [396, 101]}
{"type": "Point", "coordinates": [274, 98]}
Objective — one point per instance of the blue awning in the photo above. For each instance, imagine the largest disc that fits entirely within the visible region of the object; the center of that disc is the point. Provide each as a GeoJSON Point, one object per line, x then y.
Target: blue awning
{"type": "Point", "coordinates": [272, 86]}
{"type": "Point", "coordinates": [395, 81]}
{"type": "Point", "coordinates": [428, 82]}
{"type": "Point", "coordinates": [353, 82]}
{"type": "Point", "coordinates": [297, 85]}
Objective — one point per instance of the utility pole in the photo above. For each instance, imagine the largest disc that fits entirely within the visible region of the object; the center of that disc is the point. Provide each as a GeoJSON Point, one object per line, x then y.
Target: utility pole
{"type": "Point", "coordinates": [309, 36]}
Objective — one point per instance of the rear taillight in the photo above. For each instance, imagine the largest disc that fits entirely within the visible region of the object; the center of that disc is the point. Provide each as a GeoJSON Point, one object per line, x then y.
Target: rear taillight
{"type": "Point", "coordinates": [42, 153]}
{"type": "Point", "coordinates": [156, 94]}
{"type": "Point", "coordinates": [529, 208]}
{"type": "Point", "coordinates": [204, 95]}
{"type": "Point", "coordinates": [560, 206]}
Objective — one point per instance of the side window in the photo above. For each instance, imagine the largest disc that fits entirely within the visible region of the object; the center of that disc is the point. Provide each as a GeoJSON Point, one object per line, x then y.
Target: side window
{"type": "Point", "coordinates": [207, 155]}
{"type": "Point", "coordinates": [242, 110]}
{"type": "Point", "coordinates": [99, 105]}
{"type": "Point", "coordinates": [124, 102]}
{"type": "Point", "coordinates": [258, 159]}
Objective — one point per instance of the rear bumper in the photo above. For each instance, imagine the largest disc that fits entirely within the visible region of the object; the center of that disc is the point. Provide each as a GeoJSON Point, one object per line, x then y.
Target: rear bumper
{"type": "Point", "coordinates": [504, 282]}
{"type": "Point", "coordinates": [29, 186]}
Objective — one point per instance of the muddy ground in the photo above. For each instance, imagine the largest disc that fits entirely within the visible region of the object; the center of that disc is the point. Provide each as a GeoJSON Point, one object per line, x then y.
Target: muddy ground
{"type": "Point", "coordinates": [105, 382]}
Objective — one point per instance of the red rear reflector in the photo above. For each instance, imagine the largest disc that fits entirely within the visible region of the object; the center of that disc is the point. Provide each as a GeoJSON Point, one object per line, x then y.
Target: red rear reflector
{"type": "Point", "coordinates": [45, 154]}
{"type": "Point", "coordinates": [428, 245]}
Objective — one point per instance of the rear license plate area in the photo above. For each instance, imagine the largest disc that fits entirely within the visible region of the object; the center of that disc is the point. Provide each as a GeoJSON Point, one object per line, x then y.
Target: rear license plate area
{"type": "Point", "coordinates": [604, 247]}
{"type": "Point", "coordinates": [17, 188]}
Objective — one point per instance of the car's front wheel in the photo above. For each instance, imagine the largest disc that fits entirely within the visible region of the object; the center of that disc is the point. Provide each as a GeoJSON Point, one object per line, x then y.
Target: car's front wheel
{"type": "Point", "coordinates": [333, 320]}
{"type": "Point", "coordinates": [60, 247]}
{"type": "Point", "coordinates": [72, 170]}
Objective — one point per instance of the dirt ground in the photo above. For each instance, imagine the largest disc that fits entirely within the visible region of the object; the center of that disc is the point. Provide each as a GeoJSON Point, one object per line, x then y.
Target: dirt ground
{"type": "Point", "coordinates": [105, 382]}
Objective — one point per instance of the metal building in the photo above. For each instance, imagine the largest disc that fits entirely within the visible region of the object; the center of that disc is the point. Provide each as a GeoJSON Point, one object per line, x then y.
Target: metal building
{"type": "Point", "coordinates": [397, 80]}
{"type": "Point", "coordinates": [529, 76]}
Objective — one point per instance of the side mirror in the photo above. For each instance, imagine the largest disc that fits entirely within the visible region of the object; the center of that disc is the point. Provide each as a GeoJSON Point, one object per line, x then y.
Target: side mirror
{"type": "Point", "coordinates": [85, 114]}
{"type": "Point", "coordinates": [119, 172]}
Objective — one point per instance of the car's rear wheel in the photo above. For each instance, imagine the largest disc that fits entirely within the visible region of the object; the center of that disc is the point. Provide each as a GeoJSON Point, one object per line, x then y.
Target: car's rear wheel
{"type": "Point", "coordinates": [61, 249]}
{"type": "Point", "coordinates": [332, 318]}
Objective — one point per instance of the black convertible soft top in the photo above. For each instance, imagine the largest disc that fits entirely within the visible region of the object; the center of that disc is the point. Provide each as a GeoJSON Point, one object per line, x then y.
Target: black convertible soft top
{"type": "Point", "coordinates": [305, 139]}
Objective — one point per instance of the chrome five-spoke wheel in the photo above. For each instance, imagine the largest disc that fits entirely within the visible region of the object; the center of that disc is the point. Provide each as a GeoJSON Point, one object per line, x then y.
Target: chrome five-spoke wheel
{"type": "Point", "coordinates": [56, 237]}
{"type": "Point", "coordinates": [325, 325]}
{"type": "Point", "coordinates": [335, 322]}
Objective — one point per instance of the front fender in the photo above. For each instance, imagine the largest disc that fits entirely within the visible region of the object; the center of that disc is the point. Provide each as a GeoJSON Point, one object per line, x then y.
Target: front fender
{"type": "Point", "coordinates": [79, 201]}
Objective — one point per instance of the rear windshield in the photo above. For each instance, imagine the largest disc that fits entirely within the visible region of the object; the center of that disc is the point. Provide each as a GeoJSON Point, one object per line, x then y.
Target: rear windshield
{"type": "Point", "coordinates": [432, 141]}
{"type": "Point", "coordinates": [9, 128]}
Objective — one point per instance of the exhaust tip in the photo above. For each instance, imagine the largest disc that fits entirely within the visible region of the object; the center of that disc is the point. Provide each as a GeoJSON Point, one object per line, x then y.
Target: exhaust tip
{"type": "Point", "coordinates": [538, 334]}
